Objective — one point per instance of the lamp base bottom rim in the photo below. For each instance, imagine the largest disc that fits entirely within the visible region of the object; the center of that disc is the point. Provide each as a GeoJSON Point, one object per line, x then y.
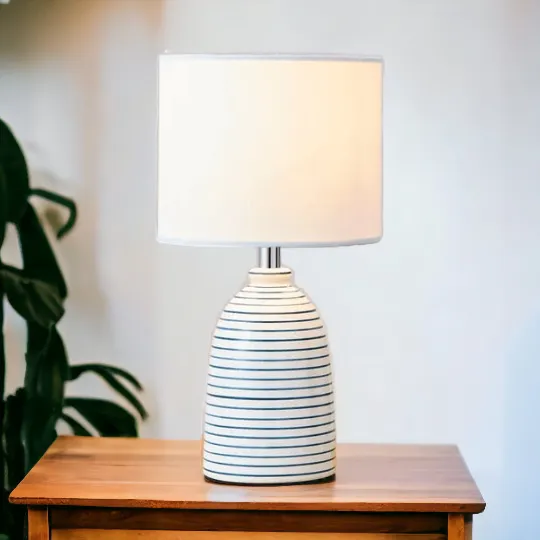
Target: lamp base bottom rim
{"type": "Point", "coordinates": [325, 480]}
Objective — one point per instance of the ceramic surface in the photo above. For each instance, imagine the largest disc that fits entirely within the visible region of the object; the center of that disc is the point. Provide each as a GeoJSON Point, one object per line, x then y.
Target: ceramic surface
{"type": "Point", "coordinates": [270, 404]}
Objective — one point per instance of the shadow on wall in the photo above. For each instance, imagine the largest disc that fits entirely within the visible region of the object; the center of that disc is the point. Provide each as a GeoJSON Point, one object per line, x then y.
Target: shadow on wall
{"type": "Point", "coordinates": [78, 88]}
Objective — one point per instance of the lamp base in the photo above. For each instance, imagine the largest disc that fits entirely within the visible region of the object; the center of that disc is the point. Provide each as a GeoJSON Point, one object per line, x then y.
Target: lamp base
{"type": "Point", "coordinates": [270, 403]}
{"type": "Point", "coordinates": [326, 480]}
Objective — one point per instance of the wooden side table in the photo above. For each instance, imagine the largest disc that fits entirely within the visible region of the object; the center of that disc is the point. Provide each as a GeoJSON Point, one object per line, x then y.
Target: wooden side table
{"type": "Point", "coordinates": [116, 489]}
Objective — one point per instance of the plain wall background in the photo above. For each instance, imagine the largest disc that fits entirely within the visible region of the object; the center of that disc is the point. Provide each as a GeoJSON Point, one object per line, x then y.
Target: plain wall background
{"type": "Point", "coordinates": [435, 331]}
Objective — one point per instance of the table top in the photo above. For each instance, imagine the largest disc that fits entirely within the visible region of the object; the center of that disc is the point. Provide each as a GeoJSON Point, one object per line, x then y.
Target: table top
{"type": "Point", "coordinates": [145, 473]}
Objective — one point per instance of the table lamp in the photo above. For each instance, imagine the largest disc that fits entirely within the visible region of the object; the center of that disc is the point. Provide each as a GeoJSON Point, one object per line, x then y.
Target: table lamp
{"type": "Point", "coordinates": [269, 151]}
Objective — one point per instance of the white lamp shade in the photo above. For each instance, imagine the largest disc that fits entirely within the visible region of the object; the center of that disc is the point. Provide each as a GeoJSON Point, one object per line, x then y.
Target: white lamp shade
{"type": "Point", "coordinates": [269, 151]}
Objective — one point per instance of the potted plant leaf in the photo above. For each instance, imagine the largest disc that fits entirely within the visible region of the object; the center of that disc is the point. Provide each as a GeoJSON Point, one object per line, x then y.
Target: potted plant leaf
{"type": "Point", "coordinates": [37, 291]}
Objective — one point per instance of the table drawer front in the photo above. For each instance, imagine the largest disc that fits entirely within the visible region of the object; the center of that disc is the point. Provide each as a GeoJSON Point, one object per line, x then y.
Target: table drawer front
{"type": "Point", "coordinates": [94, 534]}
{"type": "Point", "coordinates": [141, 519]}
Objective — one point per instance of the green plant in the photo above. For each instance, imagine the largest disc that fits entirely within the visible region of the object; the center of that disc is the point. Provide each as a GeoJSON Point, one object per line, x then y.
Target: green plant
{"type": "Point", "coordinates": [28, 418]}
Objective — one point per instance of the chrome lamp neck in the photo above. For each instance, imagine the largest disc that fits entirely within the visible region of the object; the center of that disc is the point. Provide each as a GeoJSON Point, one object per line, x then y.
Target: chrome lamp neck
{"type": "Point", "coordinates": [269, 257]}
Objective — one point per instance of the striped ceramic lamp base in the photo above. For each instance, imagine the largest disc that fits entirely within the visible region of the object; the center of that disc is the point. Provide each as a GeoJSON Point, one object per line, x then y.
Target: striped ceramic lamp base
{"type": "Point", "coordinates": [270, 404]}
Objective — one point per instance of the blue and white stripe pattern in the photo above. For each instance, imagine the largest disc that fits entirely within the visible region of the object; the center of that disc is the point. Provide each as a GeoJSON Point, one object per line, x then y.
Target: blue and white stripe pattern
{"type": "Point", "coordinates": [270, 403]}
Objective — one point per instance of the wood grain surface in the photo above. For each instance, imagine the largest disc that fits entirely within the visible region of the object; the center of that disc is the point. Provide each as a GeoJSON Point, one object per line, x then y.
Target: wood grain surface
{"type": "Point", "coordinates": [38, 523]}
{"type": "Point", "coordinates": [144, 473]}
{"type": "Point", "coordinates": [456, 527]}
{"type": "Point", "coordinates": [468, 527]}
{"type": "Point", "coordinates": [81, 534]}
{"type": "Point", "coordinates": [75, 517]}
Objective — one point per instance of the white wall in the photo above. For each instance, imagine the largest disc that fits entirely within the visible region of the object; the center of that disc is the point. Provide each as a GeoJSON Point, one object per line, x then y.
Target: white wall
{"type": "Point", "coordinates": [77, 86]}
{"type": "Point", "coordinates": [434, 331]}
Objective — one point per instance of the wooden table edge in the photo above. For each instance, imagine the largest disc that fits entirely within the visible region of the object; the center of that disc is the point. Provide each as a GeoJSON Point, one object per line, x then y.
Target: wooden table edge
{"type": "Point", "coordinates": [413, 507]}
